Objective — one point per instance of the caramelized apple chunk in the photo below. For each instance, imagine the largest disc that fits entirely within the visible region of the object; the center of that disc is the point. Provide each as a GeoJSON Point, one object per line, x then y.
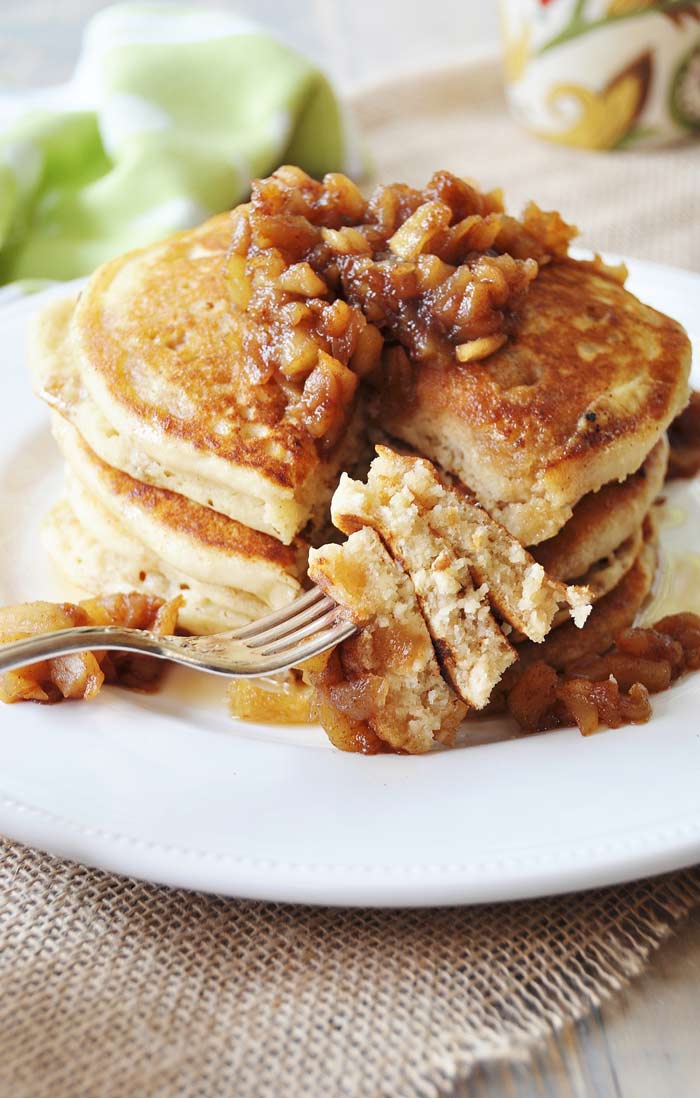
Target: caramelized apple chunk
{"type": "Point", "coordinates": [278, 699]}
{"type": "Point", "coordinates": [343, 707]}
{"type": "Point", "coordinates": [532, 701]}
{"type": "Point", "coordinates": [612, 689]}
{"type": "Point", "coordinates": [82, 674]}
{"type": "Point", "coordinates": [595, 704]}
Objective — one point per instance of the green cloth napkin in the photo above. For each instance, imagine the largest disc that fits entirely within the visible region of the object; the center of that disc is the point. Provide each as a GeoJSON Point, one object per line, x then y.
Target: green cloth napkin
{"type": "Point", "coordinates": [170, 113]}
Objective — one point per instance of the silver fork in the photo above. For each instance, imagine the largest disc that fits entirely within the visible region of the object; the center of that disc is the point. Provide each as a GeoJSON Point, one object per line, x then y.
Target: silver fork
{"type": "Point", "coordinates": [307, 627]}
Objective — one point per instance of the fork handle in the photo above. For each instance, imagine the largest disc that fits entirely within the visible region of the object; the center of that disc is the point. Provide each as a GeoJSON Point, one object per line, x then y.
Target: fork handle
{"type": "Point", "coordinates": [82, 638]}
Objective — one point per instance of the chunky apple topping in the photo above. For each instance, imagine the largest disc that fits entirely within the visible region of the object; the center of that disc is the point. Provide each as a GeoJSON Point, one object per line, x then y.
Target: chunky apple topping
{"type": "Point", "coordinates": [612, 689]}
{"type": "Point", "coordinates": [439, 270]}
{"type": "Point", "coordinates": [82, 674]}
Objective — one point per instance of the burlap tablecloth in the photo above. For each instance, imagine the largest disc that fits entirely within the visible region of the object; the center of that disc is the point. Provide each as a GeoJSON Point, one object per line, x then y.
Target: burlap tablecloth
{"type": "Point", "coordinates": [110, 987]}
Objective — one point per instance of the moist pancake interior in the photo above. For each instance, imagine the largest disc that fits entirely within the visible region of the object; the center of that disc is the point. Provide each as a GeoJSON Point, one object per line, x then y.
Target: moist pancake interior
{"type": "Point", "coordinates": [390, 679]}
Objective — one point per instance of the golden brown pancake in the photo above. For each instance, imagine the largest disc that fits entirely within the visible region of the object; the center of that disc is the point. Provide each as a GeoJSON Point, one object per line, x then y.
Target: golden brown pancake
{"type": "Point", "coordinates": [213, 385]}
{"type": "Point", "coordinates": [195, 540]}
{"type": "Point", "coordinates": [94, 552]}
{"type": "Point", "coordinates": [607, 573]}
{"type": "Point", "coordinates": [577, 397]}
{"type": "Point", "coordinates": [609, 617]}
{"type": "Point", "coordinates": [153, 366]}
{"type": "Point", "coordinates": [224, 362]}
{"type": "Point", "coordinates": [604, 575]}
{"type": "Point", "coordinates": [389, 677]}
{"type": "Point", "coordinates": [603, 520]}
{"type": "Point", "coordinates": [114, 533]}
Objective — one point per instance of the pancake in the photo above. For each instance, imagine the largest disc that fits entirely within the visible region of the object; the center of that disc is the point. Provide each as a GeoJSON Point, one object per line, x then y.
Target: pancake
{"type": "Point", "coordinates": [153, 364]}
{"type": "Point", "coordinates": [194, 541]}
{"type": "Point", "coordinates": [116, 562]}
{"type": "Point", "coordinates": [566, 646]}
{"type": "Point", "coordinates": [402, 487]}
{"type": "Point", "coordinates": [385, 682]}
{"type": "Point", "coordinates": [603, 520]}
{"type": "Point", "coordinates": [576, 398]}
{"type": "Point", "coordinates": [613, 613]}
{"type": "Point", "coordinates": [472, 650]}
{"type": "Point", "coordinates": [604, 575]}
{"type": "Point", "coordinates": [607, 573]}
{"type": "Point", "coordinates": [210, 394]}
{"type": "Point", "coordinates": [223, 363]}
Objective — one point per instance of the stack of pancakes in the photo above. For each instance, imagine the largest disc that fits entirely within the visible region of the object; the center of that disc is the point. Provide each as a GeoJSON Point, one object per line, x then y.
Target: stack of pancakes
{"type": "Point", "coordinates": [182, 476]}
{"type": "Point", "coordinates": [194, 467]}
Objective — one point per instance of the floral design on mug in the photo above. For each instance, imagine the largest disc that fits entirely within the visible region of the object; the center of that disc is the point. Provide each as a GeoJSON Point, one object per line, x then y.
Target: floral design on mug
{"type": "Point", "coordinates": [604, 74]}
{"type": "Point", "coordinates": [685, 91]}
{"type": "Point", "coordinates": [618, 10]}
{"type": "Point", "coordinates": [606, 117]}
{"type": "Point", "coordinates": [675, 12]}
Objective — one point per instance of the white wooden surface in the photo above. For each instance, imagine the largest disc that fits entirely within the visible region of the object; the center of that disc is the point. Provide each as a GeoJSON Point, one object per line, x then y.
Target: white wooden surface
{"type": "Point", "coordinates": [644, 1043]}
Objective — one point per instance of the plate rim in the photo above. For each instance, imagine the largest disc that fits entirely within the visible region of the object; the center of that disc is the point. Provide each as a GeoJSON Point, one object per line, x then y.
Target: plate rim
{"type": "Point", "coordinates": [371, 886]}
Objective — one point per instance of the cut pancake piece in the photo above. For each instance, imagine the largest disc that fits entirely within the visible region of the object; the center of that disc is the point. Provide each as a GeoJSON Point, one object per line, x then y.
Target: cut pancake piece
{"type": "Point", "coordinates": [603, 520]}
{"type": "Point", "coordinates": [588, 381]}
{"type": "Point", "coordinates": [469, 643]}
{"type": "Point", "coordinates": [193, 540]}
{"type": "Point", "coordinates": [384, 684]}
{"type": "Point", "coordinates": [92, 550]}
{"type": "Point", "coordinates": [517, 585]}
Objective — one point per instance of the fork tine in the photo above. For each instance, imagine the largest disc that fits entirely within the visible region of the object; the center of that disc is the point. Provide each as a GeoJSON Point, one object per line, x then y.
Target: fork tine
{"type": "Point", "coordinates": [280, 644]}
{"type": "Point", "coordinates": [320, 642]}
{"type": "Point", "coordinates": [310, 615]}
{"type": "Point", "coordinates": [278, 616]}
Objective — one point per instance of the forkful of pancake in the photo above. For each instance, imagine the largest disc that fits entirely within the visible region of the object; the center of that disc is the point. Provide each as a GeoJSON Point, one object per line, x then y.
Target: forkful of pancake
{"type": "Point", "coordinates": [499, 544]}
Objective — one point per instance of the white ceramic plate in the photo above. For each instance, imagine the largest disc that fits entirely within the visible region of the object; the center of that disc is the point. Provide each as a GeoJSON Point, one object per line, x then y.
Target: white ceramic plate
{"type": "Point", "coordinates": [170, 789]}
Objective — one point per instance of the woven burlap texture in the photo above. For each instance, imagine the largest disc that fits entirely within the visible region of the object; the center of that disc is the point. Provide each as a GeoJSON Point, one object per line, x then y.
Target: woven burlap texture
{"type": "Point", "coordinates": [114, 988]}
{"type": "Point", "coordinates": [111, 987]}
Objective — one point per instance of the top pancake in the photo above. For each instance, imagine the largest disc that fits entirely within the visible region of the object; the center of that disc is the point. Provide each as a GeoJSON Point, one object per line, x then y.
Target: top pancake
{"type": "Point", "coordinates": [578, 396]}
{"type": "Point", "coordinates": [153, 367]}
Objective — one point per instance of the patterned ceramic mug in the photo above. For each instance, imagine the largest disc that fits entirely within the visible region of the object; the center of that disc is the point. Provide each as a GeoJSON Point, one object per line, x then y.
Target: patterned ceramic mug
{"type": "Point", "coordinates": [604, 74]}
